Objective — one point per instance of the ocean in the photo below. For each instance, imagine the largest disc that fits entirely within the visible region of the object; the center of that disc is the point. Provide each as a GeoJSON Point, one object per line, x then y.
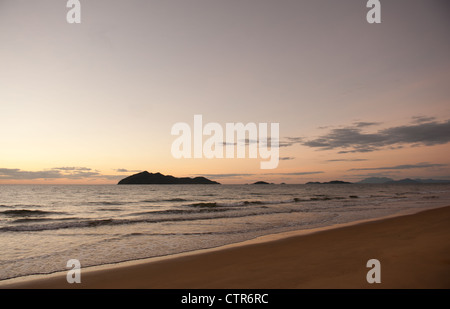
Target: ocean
{"type": "Point", "coordinates": [44, 226]}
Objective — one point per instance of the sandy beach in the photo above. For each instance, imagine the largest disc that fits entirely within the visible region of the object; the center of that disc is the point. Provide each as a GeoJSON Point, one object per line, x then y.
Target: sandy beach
{"type": "Point", "coordinates": [414, 252]}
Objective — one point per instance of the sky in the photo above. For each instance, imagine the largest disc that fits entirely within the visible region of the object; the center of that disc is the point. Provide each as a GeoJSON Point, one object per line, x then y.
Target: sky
{"type": "Point", "coordinates": [95, 102]}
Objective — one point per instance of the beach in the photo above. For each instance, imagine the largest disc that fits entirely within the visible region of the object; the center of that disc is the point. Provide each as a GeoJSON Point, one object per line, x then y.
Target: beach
{"type": "Point", "coordinates": [224, 145]}
{"type": "Point", "coordinates": [413, 250]}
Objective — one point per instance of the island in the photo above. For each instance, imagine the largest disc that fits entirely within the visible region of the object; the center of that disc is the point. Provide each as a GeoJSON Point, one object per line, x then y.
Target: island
{"type": "Point", "coordinates": [261, 183]}
{"type": "Point", "coordinates": [333, 182]}
{"type": "Point", "coordinates": [146, 178]}
{"type": "Point", "coordinates": [386, 180]}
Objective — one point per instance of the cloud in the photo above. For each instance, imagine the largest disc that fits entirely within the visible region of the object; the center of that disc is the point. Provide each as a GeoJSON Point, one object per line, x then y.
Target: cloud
{"type": "Point", "coordinates": [229, 144]}
{"type": "Point", "coordinates": [234, 175]}
{"type": "Point", "coordinates": [286, 158]}
{"type": "Point", "coordinates": [80, 175]}
{"type": "Point", "coordinates": [285, 144]}
{"type": "Point", "coordinates": [291, 141]}
{"type": "Point", "coordinates": [422, 119]}
{"type": "Point", "coordinates": [422, 131]}
{"type": "Point", "coordinates": [378, 174]}
{"type": "Point", "coordinates": [247, 141]}
{"type": "Point", "coordinates": [53, 173]}
{"type": "Point", "coordinates": [400, 167]}
{"type": "Point", "coordinates": [429, 133]}
{"type": "Point", "coordinates": [230, 175]}
{"type": "Point", "coordinates": [352, 139]}
{"type": "Point", "coordinates": [15, 173]}
{"type": "Point", "coordinates": [346, 160]}
{"type": "Point", "coordinates": [124, 170]}
{"type": "Point", "coordinates": [296, 173]}
{"type": "Point", "coordinates": [362, 124]}
{"type": "Point", "coordinates": [121, 170]}
{"type": "Point", "coordinates": [72, 168]}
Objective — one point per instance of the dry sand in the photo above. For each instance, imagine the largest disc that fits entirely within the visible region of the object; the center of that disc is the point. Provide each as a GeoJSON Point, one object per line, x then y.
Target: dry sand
{"type": "Point", "coordinates": [414, 252]}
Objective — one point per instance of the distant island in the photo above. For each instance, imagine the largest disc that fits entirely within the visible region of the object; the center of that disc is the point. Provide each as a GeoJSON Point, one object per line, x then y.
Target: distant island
{"type": "Point", "coordinates": [333, 182]}
{"type": "Point", "coordinates": [380, 180]}
{"type": "Point", "coordinates": [262, 183]}
{"type": "Point", "coordinates": [386, 180]}
{"type": "Point", "coordinates": [146, 178]}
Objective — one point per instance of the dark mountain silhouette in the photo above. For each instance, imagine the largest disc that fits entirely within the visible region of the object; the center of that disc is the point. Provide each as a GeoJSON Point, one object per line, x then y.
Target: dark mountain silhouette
{"type": "Point", "coordinates": [385, 180]}
{"type": "Point", "coordinates": [333, 182]}
{"type": "Point", "coordinates": [261, 183]}
{"type": "Point", "coordinates": [146, 178]}
{"type": "Point", "coordinates": [406, 180]}
{"type": "Point", "coordinates": [376, 180]}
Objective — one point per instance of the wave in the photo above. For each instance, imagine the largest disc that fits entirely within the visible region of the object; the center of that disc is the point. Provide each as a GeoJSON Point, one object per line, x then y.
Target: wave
{"type": "Point", "coordinates": [430, 197]}
{"type": "Point", "coordinates": [322, 198]}
{"type": "Point", "coordinates": [177, 199]}
{"type": "Point", "coordinates": [59, 225]}
{"type": "Point", "coordinates": [186, 215]}
{"type": "Point", "coordinates": [109, 209]}
{"type": "Point", "coordinates": [27, 213]}
{"type": "Point", "coordinates": [25, 220]}
{"type": "Point", "coordinates": [235, 204]}
{"type": "Point", "coordinates": [25, 206]}
{"type": "Point", "coordinates": [180, 211]}
{"type": "Point", "coordinates": [261, 202]}
{"type": "Point", "coordinates": [104, 203]}
{"type": "Point", "coordinates": [31, 220]}
{"type": "Point", "coordinates": [212, 204]}
{"type": "Point", "coordinates": [90, 224]}
{"type": "Point", "coordinates": [209, 204]}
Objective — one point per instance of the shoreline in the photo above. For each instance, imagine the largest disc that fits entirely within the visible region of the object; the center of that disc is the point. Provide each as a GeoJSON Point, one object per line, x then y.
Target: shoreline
{"type": "Point", "coordinates": [95, 275]}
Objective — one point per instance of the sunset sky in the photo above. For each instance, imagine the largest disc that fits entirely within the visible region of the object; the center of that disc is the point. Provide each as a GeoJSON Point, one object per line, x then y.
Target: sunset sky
{"type": "Point", "coordinates": [95, 102]}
